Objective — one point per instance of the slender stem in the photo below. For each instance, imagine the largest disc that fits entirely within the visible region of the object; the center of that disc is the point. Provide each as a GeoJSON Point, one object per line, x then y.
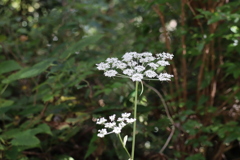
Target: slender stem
{"type": "Point", "coordinates": [135, 117]}
{"type": "Point", "coordinates": [119, 136]}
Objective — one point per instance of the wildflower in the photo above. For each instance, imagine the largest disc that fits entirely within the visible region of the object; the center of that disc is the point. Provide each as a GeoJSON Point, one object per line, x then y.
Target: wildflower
{"type": "Point", "coordinates": [112, 118]}
{"type": "Point", "coordinates": [137, 66]}
{"type": "Point", "coordinates": [164, 77]}
{"type": "Point", "coordinates": [150, 73]}
{"type": "Point", "coordinates": [137, 77]}
{"type": "Point", "coordinates": [103, 66]}
{"type": "Point", "coordinates": [114, 126]}
{"type": "Point", "coordinates": [102, 133]}
{"type": "Point", "coordinates": [110, 73]}
{"type": "Point", "coordinates": [101, 120]}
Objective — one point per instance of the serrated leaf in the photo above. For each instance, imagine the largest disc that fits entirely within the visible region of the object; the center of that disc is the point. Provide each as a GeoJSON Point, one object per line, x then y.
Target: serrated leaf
{"type": "Point", "coordinates": [9, 66]}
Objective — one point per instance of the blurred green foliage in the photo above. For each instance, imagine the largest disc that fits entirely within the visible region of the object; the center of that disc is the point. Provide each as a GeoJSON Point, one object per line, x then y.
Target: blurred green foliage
{"type": "Point", "coordinates": [51, 92]}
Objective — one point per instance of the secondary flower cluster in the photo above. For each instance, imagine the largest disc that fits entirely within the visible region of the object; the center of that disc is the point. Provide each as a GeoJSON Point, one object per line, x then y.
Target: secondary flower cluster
{"type": "Point", "coordinates": [137, 66]}
{"type": "Point", "coordinates": [112, 125]}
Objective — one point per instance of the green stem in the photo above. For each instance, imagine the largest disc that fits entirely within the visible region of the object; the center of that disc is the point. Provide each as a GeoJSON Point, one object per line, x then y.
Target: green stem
{"type": "Point", "coordinates": [135, 116]}
{"type": "Point", "coordinates": [119, 136]}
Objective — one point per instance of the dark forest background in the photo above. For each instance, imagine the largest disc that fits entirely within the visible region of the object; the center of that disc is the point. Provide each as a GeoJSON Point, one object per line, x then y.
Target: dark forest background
{"type": "Point", "coordinates": [51, 92]}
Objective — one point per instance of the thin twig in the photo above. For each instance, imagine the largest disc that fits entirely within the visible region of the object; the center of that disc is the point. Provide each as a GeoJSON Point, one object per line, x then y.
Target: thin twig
{"type": "Point", "coordinates": [184, 52]}
{"type": "Point", "coordinates": [168, 45]}
{"type": "Point", "coordinates": [168, 115]}
{"type": "Point", "coordinates": [194, 13]}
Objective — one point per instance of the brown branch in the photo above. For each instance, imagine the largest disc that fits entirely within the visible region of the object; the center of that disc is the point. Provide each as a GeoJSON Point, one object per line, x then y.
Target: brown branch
{"type": "Point", "coordinates": [226, 101]}
{"type": "Point", "coordinates": [173, 67]}
{"type": "Point", "coordinates": [184, 51]}
{"type": "Point", "coordinates": [200, 75]}
{"type": "Point", "coordinates": [194, 13]}
{"type": "Point", "coordinates": [168, 115]}
{"type": "Point", "coordinates": [220, 152]}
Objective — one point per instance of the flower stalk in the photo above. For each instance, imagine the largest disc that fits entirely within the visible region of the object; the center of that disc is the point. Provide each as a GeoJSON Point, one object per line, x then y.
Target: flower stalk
{"type": "Point", "coordinates": [135, 117]}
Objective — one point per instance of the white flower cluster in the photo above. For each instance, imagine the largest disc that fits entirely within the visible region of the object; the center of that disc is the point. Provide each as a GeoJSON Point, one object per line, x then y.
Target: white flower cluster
{"type": "Point", "coordinates": [137, 66]}
{"type": "Point", "coordinates": [114, 126]}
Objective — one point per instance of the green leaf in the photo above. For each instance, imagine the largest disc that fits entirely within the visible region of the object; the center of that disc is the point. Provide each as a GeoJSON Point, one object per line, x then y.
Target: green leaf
{"type": "Point", "coordinates": [25, 139]}
{"type": "Point", "coordinates": [198, 156]}
{"type": "Point", "coordinates": [5, 105]}
{"type": "Point", "coordinates": [91, 147]}
{"type": "Point", "coordinates": [42, 128]}
{"type": "Point", "coordinates": [31, 71]}
{"type": "Point", "coordinates": [2, 38]}
{"type": "Point", "coordinates": [9, 66]}
{"type": "Point", "coordinates": [80, 45]}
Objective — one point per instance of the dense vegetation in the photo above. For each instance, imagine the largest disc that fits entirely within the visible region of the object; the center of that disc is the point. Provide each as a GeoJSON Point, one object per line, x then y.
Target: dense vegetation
{"type": "Point", "coordinates": [51, 92]}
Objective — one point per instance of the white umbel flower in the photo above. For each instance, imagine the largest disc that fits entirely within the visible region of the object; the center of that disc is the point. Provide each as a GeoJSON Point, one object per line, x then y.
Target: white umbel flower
{"type": "Point", "coordinates": [137, 66]}
{"type": "Point", "coordinates": [113, 126]}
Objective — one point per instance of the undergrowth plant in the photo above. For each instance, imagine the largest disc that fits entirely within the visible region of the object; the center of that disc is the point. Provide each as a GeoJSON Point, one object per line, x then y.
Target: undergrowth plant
{"type": "Point", "coordinates": [137, 67]}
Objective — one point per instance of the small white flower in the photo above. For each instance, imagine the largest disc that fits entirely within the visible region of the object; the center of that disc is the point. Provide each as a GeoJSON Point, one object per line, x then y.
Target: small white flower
{"type": "Point", "coordinates": [121, 65]}
{"type": "Point", "coordinates": [101, 120]}
{"type": "Point", "coordinates": [112, 118]}
{"type": "Point", "coordinates": [114, 126]}
{"type": "Point", "coordinates": [128, 56]}
{"type": "Point", "coordinates": [147, 59]}
{"type": "Point", "coordinates": [120, 119]}
{"type": "Point", "coordinates": [126, 115]}
{"type": "Point", "coordinates": [130, 120]}
{"type": "Point", "coordinates": [128, 72]}
{"type": "Point", "coordinates": [150, 73]}
{"type": "Point", "coordinates": [110, 125]}
{"type": "Point", "coordinates": [137, 77]}
{"type": "Point", "coordinates": [138, 55]}
{"type": "Point", "coordinates": [117, 130]}
{"type": "Point", "coordinates": [132, 63]}
{"type": "Point", "coordinates": [103, 66]}
{"type": "Point", "coordinates": [102, 133]}
{"type": "Point", "coordinates": [110, 73]}
{"type": "Point", "coordinates": [165, 77]}
{"type": "Point", "coordinates": [147, 54]}
{"type": "Point", "coordinates": [111, 60]}
{"type": "Point", "coordinates": [122, 124]}
{"type": "Point", "coordinates": [164, 56]}
{"type": "Point", "coordinates": [139, 68]}
{"type": "Point", "coordinates": [153, 65]}
{"type": "Point", "coordinates": [163, 63]}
